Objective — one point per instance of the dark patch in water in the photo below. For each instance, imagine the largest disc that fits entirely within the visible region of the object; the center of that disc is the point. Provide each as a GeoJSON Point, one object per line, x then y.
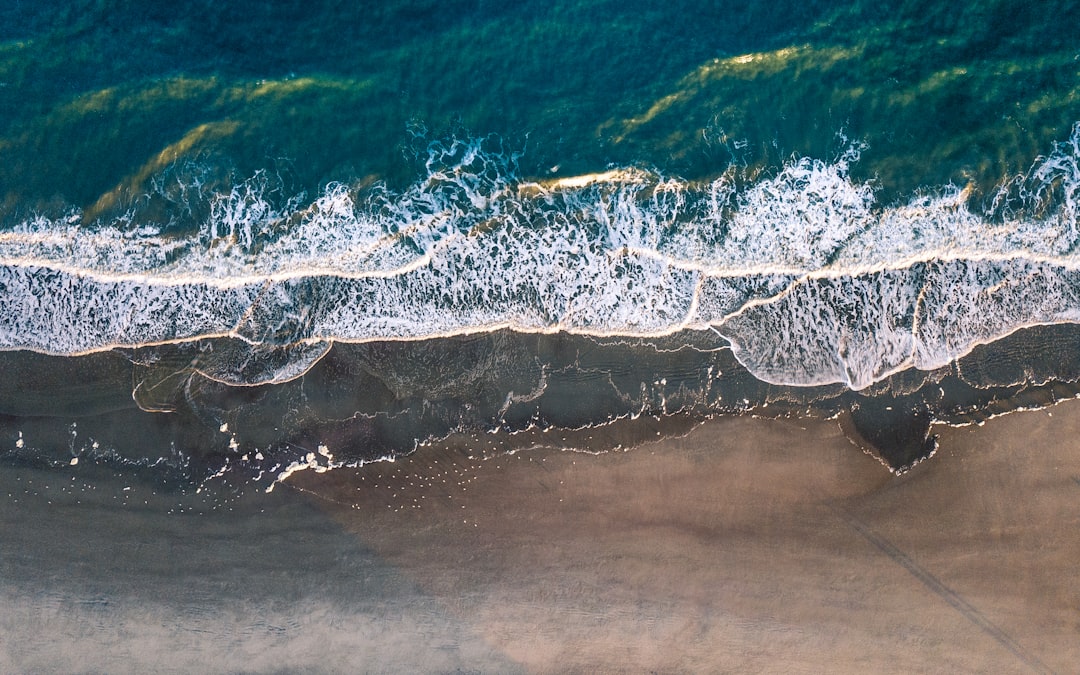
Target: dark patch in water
{"type": "Point", "coordinates": [495, 392]}
{"type": "Point", "coordinates": [896, 429]}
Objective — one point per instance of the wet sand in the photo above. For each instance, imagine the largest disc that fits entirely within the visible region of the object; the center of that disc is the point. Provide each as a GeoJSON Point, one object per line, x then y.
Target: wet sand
{"type": "Point", "coordinates": [747, 545]}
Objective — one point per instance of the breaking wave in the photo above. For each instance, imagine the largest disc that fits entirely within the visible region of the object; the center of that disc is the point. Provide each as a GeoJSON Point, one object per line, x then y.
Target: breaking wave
{"type": "Point", "coordinates": [801, 269]}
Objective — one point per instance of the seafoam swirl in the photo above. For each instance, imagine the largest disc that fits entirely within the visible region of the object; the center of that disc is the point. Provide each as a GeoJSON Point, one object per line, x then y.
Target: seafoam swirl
{"type": "Point", "coordinates": [809, 277]}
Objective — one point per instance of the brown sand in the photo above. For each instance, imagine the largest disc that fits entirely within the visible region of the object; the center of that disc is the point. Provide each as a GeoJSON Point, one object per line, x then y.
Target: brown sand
{"type": "Point", "coordinates": [748, 545]}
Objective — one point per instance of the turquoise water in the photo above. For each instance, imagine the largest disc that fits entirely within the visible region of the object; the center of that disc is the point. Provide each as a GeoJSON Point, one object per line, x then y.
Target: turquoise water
{"type": "Point", "coordinates": [94, 92]}
{"type": "Point", "coordinates": [241, 239]}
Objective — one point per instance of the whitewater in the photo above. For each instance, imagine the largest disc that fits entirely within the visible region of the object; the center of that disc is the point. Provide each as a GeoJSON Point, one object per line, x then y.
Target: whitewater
{"type": "Point", "coordinates": [809, 278]}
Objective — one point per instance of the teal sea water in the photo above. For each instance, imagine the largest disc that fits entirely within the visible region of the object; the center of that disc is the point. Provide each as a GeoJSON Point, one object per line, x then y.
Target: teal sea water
{"type": "Point", "coordinates": [239, 240]}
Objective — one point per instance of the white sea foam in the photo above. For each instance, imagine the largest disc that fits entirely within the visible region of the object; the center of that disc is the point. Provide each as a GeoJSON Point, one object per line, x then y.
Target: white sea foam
{"type": "Point", "coordinates": [811, 279]}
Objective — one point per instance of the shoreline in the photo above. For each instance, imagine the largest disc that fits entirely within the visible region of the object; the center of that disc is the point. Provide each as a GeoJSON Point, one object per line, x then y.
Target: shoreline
{"type": "Point", "coordinates": [775, 538]}
{"type": "Point", "coordinates": [745, 543]}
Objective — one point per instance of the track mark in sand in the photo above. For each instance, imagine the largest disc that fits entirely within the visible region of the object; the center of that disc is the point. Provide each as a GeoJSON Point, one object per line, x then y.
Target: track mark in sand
{"type": "Point", "coordinates": [945, 593]}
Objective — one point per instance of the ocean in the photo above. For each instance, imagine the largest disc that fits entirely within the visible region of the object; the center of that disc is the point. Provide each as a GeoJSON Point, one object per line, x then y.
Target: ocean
{"type": "Point", "coordinates": [247, 246]}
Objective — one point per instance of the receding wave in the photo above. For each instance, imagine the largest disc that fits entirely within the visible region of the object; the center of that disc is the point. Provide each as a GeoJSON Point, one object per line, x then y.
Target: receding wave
{"type": "Point", "coordinates": [809, 278]}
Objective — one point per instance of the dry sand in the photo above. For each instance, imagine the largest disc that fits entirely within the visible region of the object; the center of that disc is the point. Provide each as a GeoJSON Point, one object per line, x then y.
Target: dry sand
{"type": "Point", "coordinates": [748, 545]}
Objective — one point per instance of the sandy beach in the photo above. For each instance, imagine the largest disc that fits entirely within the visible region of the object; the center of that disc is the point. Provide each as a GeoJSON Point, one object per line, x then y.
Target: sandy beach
{"type": "Point", "coordinates": [747, 545]}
